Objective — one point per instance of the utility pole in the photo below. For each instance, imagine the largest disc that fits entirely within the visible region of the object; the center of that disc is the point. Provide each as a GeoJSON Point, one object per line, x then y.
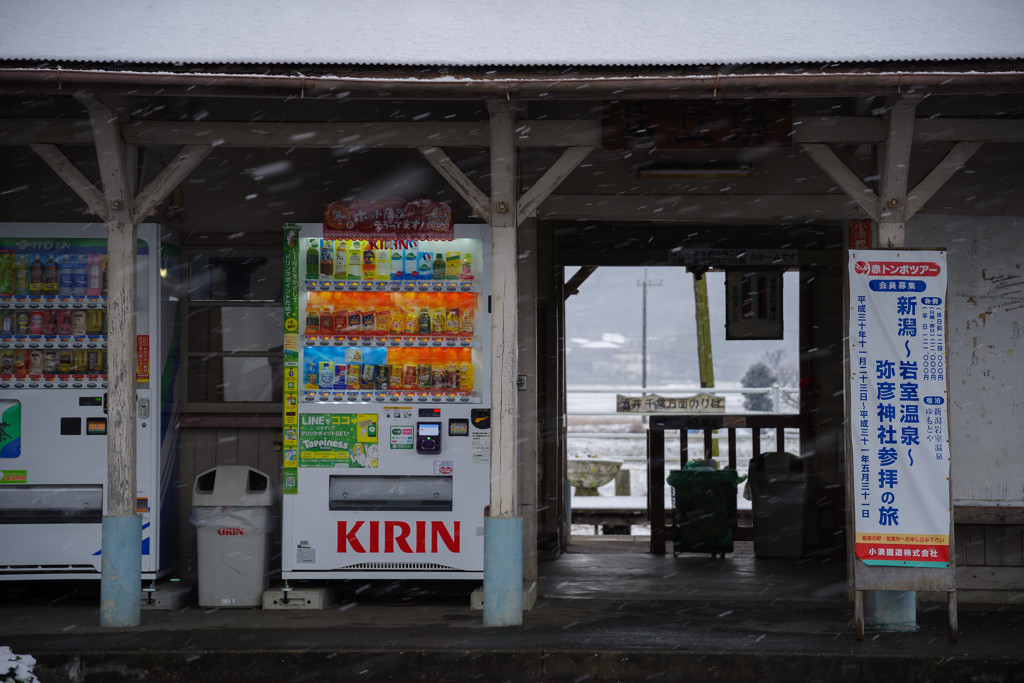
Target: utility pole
{"type": "Point", "coordinates": [707, 368]}
{"type": "Point", "coordinates": [644, 284]}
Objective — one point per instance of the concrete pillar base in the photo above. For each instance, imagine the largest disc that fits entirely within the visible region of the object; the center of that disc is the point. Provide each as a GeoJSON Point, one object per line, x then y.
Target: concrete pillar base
{"type": "Point", "coordinates": [895, 611]}
{"type": "Point", "coordinates": [121, 581]}
{"type": "Point", "coordinates": [503, 571]}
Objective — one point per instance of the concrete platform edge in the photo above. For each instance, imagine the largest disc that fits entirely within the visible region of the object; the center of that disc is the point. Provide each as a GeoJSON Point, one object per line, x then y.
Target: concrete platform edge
{"type": "Point", "coordinates": [495, 665]}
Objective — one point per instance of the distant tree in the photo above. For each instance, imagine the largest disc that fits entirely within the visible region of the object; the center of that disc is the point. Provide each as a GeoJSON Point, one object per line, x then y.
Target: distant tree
{"type": "Point", "coordinates": [786, 375]}
{"type": "Point", "coordinates": [758, 375]}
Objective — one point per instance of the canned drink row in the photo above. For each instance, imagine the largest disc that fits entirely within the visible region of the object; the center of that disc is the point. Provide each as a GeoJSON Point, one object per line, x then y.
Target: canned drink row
{"type": "Point", "coordinates": [57, 362]}
{"type": "Point", "coordinates": [53, 322]}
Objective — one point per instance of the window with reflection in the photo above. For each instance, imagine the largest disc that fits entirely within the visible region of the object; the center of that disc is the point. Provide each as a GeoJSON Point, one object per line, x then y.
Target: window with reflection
{"type": "Point", "coordinates": [233, 330]}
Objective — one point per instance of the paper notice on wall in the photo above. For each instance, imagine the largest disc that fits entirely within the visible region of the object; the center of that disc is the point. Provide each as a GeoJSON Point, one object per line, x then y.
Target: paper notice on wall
{"type": "Point", "coordinates": [480, 446]}
{"type": "Point", "coordinates": [142, 358]}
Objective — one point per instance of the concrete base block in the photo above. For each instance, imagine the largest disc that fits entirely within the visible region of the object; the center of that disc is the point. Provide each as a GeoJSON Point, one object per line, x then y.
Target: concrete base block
{"type": "Point", "coordinates": [306, 597]}
{"type": "Point", "coordinates": [168, 595]}
{"type": "Point", "coordinates": [530, 592]}
{"type": "Point", "coordinates": [531, 589]}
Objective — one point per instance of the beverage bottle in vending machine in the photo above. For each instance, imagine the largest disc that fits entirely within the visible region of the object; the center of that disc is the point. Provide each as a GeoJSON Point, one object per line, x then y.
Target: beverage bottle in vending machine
{"type": "Point", "coordinates": [397, 261]}
{"type": "Point", "coordinates": [66, 276]}
{"type": "Point", "coordinates": [425, 266]}
{"type": "Point", "coordinates": [21, 274]}
{"type": "Point", "coordinates": [326, 320]}
{"type": "Point", "coordinates": [50, 271]}
{"type": "Point", "coordinates": [326, 259]}
{"type": "Point", "coordinates": [355, 260]}
{"type": "Point", "coordinates": [340, 260]}
{"type": "Point", "coordinates": [440, 270]}
{"type": "Point", "coordinates": [453, 264]}
{"type": "Point", "coordinates": [95, 283]}
{"type": "Point", "coordinates": [384, 264]}
{"type": "Point", "coordinates": [411, 256]}
{"type": "Point", "coordinates": [103, 258]}
{"type": "Point", "coordinates": [35, 282]}
{"type": "Point", "coordinates": [312, 261]}
{"type": "Point", "coordinates": [369, 263]}
{"type": "Point", "coordinates": [81, 276]}
{"type": "Point", "coordinates": [467, 267]}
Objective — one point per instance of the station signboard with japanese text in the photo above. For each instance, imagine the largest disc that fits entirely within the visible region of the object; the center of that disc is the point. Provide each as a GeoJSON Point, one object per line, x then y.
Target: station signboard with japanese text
{"type": "Point", "coordinates": [753, 304]}
{"type": "Point", "coordinates": [899, 407]}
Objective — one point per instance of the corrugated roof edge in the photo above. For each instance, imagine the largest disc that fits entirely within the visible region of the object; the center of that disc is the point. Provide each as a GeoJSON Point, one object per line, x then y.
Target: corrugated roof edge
{"type": "Point", "coordinates": [580, 84]}
{"type": "Point", "coordinates": [931, 63]}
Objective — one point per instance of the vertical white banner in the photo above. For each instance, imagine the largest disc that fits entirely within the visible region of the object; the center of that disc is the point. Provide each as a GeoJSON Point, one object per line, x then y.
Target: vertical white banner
{"type": "Point", "coordinates": [898, 407]}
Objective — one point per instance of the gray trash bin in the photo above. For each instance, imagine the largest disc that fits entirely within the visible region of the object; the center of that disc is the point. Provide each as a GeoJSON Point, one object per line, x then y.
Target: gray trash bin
{"type": "Point", "coordinates": [233, 510]}
{"type": "Point", "coordinates": [778, 491]}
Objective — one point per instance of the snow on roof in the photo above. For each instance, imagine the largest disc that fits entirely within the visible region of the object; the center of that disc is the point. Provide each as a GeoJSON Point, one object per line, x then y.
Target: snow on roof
{"type": "Point", "coordinates": [510, 32]}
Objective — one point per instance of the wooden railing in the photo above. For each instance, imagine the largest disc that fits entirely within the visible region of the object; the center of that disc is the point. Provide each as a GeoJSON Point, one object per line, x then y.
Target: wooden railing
{"type": "Point", "coordinates": [707, 423]}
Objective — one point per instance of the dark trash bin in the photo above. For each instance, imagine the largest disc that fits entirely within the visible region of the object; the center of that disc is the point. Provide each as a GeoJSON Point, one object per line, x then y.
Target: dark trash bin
{"type": "Point", "coordinates": [778, 493]}
{"type": "Point", "coordinates": [704, 509]}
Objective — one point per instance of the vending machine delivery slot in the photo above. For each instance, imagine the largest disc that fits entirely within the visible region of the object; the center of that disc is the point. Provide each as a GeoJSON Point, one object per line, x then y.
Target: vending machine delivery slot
{"type": "Point", "coordinates": [428, 438]}
{"type": "Point", "coordinates": [391, 493]}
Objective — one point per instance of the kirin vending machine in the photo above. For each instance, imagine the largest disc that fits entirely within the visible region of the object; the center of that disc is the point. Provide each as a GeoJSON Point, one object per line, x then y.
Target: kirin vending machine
{"type": "Point", "coordinates": [53, 399]}
{"type": "Point", "coordinates": [387, 441]}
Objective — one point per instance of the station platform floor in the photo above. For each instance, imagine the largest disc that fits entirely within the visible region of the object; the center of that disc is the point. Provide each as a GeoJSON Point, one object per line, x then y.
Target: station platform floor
{"type": "Point", "coordinates": [609, 612]}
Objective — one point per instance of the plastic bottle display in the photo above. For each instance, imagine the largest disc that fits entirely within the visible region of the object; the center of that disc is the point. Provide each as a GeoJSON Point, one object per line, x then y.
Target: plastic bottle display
{"type": "Point", "coordinates": [340, 260]}
{"type": "Point", "coordinates": [393, 314]}
{"type": "Point", "coordinates": [369, 263]}
{"type": "Point", "coordinates": [355, 261]}
{"type": "Point", "coordinates": [326, 259]}
{"type": "Point", "coordinates": [411, 258]}
{"type": "Point", "coordinates": [21, 278]}
{"type": "Point", "coordinates": [397, 263]}
{"type": "Point", "coordinates": [66, 276]}
{"type": "Point", "coordinates": [425, 266]}
{"type": "Point", "coordinates": [95, 281]}
{"type": "Point", "coordinates": [51, 283]}
{"type": "Point", "coordinates": [409, 340]}
{"type": "Point", "coordinates": [80, 276]}
{"type": "Point", "coordinates": [453, 265]}
{"type": "Point", "coordinates": [383, 257]}
{"type": "Point", "coordinates": [393, 370]}
{"type": "Point", "coordinates": [312, 262]}
{"type": "Point", "coordinates": [35, 283]}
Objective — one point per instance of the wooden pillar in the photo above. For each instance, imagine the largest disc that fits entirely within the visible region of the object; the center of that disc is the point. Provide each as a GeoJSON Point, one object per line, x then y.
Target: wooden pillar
{"type": "Point", "coordinates": [528, 421]}
{"type": "Point", "coordinates": [504, 318]}
{"type": "Point", "coordinates": [121, 580]}
{"type": "Point", "coordinates": [503, 531]}
{"type": "Point", "coordinates": [894, 172]}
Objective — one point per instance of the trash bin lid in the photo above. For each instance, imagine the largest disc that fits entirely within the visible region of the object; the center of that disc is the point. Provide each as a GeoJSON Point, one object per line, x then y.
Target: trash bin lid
{"type": "Point", "coordinates": [777, 465]}
{"type": "Point", "coordinates": [233, 485]}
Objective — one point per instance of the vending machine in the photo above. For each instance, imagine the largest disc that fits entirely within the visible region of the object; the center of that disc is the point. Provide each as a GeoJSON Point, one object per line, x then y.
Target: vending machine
{"type": "Point", "coordinates": [53, 399]}
{"type": "Point", "coordinates": [387, 426]}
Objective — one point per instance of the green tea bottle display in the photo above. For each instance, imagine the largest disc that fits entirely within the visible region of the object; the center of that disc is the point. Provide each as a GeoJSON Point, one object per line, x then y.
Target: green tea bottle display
{"type": "Point", "coordinates": [326, 258]}
{"type": "Point", "coordinates": [440, 271]}
{"type": "Point", "coordinates": [312, 261]}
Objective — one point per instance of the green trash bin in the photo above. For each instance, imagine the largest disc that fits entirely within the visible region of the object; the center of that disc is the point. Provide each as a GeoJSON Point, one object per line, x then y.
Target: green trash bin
{"type": "Point", "coordinates": [704, 509]}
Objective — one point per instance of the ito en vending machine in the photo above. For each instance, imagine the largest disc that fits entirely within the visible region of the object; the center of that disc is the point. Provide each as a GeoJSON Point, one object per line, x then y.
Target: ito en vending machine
{"type": "Point", "coordinates": [386, 394]}
{"type": "Point", "coordinates": [53, 399]}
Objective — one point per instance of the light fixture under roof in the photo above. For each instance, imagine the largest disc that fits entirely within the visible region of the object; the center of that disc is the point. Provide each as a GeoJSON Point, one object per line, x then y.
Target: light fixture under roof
{"type": "Point", "coordinates": [697, 172]}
